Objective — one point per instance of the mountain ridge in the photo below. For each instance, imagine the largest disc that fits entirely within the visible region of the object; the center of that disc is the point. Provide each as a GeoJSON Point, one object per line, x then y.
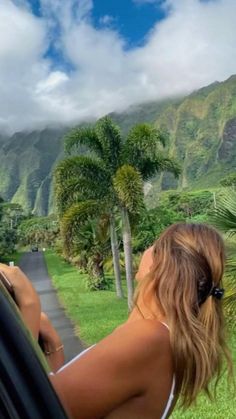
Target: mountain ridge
{"type": "Point", "coordinates": [202, 131]}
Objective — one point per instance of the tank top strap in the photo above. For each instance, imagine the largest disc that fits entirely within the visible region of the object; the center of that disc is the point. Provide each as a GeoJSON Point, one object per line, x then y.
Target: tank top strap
{"type": "Point", "coordinates": [166, 325]}
{"type": "Point", "coordinates": [140, 311]}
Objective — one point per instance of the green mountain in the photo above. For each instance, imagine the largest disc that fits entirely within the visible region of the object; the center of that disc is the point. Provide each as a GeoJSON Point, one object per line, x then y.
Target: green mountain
{"type": "Point", "coordinates": [202, 128]}
{"type": "Point", "coordinates": [203, 134]}
{"type": "Point", "coordinates": [26, 165]}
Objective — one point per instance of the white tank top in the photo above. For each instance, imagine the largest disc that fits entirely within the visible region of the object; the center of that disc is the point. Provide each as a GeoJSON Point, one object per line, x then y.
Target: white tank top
{"type": "Point", "coordinates": [172, 391]}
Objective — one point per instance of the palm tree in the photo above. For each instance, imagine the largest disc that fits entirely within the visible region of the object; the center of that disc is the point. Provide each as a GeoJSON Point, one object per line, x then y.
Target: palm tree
{"type": "Point", "coordinates": [112, 174]}
{"type": "Point", "coordinates": [128, 186]}
{"type": "Point", "coordinates": [88, 179]}
{"type": "Point", "coordinates": [142, 158]}
{"type": "Point", "coordinates": [89, 237]}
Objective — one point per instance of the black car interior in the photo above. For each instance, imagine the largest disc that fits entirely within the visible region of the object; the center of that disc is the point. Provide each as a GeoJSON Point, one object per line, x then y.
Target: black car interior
{"type": "Point", "coordinates": [25, 390]}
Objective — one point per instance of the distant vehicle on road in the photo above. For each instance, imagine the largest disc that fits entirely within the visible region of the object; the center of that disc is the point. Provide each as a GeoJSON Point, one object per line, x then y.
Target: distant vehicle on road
{"type": "Point", "coordinates": [34, 249]}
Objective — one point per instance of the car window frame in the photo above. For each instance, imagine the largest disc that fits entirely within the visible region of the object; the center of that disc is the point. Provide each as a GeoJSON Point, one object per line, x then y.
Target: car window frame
{"type": "Point", "coordinates": [25, 389]}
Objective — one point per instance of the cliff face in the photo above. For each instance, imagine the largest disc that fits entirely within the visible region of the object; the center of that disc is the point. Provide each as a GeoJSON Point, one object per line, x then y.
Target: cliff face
{"type": "Point", "coordinates": [203, 134]}
{"type": "Point", "coordinates": [202, 129]}
{"type": "Point", "coordinates": [26, 165]}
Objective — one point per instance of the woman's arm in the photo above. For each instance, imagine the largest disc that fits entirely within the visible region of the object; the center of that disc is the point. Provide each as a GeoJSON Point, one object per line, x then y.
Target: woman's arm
{"type": "Point", "coordinates": [52, 344]}
{"type": "Point", "coordinates": [26, 297]}
{"type": "Point", "coordinates": [110, 373]}
{"type": "Point", "coordinates": [29, 304]}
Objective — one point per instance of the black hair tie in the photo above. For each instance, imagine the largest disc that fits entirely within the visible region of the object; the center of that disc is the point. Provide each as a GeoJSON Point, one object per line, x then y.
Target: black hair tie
{"type": "Point", "coordinates": [217, 292]}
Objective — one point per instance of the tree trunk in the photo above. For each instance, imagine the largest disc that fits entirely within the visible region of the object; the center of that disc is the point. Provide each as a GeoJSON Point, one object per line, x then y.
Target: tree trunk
{"type": "Point", "coordinates": [128, 255]}
{"type": "Point", "coordinates": [116, 257]}
{"type": "Point", "coordinates": [97, 273]}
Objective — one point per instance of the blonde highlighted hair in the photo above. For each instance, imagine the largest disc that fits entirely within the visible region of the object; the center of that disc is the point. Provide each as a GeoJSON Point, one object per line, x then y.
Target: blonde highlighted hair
{"type": "Point", "coordinates": [188, 261]}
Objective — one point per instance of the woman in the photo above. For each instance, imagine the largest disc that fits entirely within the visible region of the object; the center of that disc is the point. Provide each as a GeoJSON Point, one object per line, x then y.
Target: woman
{"type": "Point", "coordinates": [171, 346]}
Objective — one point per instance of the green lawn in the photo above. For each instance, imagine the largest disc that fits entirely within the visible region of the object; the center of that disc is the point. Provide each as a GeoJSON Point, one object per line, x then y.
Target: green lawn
{"type": "Point", "coordinates": [96, 314]}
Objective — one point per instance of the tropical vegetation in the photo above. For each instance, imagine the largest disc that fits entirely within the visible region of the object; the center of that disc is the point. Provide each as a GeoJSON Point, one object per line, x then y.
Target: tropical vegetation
{"type": "Point", "coordinates": [224, 218]}
{"type": "Point", "coordinates": [38, 231]}
{"type": "Point", "coordinates": [10, 216]}
{"type": "Point", "coordinates": [105, 177]}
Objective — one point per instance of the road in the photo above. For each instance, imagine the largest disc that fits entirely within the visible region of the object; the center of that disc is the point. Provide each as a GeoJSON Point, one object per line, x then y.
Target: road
{"type": "Point", "coordinates": [33, 264]}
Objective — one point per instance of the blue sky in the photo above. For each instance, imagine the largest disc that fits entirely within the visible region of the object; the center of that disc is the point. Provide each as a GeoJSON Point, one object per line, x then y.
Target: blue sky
{"type": "Point", "coordinates": [63, 61]}
{"type": "Point", "coordinates": [133, 19]}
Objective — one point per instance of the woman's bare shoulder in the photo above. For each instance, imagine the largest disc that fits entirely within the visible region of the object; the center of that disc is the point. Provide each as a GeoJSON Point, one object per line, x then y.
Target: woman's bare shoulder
{"type": "Point", "coordinates": [141, 335]}
{"type": "Point", "coordinates": [118, 366]}
{"type": "Point", "coordinates": [148, 327]}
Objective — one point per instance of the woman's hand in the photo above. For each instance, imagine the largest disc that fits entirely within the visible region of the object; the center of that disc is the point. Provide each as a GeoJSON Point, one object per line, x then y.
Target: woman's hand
{"type": "Point", "coordinates": [26, 297]}
{"type": "Point", "coordinates": [53, 348]}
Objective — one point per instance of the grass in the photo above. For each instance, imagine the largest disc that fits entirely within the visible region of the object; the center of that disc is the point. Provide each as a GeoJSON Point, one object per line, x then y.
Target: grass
{"type": "Point", "coordinates": [224, 407]}
{"type": "Point", "coordinates": [96, 314]}
{"type": "Point", "coordinates": [13, 257]}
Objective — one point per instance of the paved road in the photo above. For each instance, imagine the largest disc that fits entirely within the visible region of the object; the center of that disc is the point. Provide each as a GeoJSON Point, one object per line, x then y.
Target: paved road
{"type": "Point", "coordinates": [32, 263]}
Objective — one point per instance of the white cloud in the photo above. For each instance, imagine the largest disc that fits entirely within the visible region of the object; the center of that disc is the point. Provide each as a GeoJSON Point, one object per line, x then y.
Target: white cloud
{"type": "Point", "coordinates": [54, 80]}
{"type": "Point", "coordinates": [106, 20]}
{"type": "Point", "coordinates": [193, 46]}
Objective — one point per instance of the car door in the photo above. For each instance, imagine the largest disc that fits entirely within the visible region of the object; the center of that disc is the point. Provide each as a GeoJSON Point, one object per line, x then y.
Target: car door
{"type": "Point", "coordinates": [25, 390]}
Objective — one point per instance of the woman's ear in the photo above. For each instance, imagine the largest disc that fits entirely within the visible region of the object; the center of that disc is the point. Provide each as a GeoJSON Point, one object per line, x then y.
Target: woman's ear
{"type": "Point", "coordinates": [145, 264]}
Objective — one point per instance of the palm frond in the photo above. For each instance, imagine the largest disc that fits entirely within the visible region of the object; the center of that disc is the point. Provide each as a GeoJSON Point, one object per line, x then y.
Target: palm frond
{"type": "Point", "coordinates": [167, 164]}
{"type": "Point", "coordinates": [149, 167]}
{"type": "Point", "coordinates": [109, 135]}
{"type": "Point", "coordinates": [65, 195]}
{"type": "Point", "coordinates": [85, 136]}
{"type": "Point", "coordinates": [224, 215]}
{"type": "Point", "coordinates": [75, 190]}
{"type": "Point", "coordinates": [147, 137]}
{"type": "Point", "coordinates": [75, 217]}
{"type": "Point", "coordinates": [137, 148]}
{"type": "Point", "coordinates": [77, 165]}
{"type": "Point", "coordinates": [224, 218]}
{"type": "Point", "coordinates": [230, 286]}
{"type": "Point", "coordinates": [93, 236]}
{"type": "Point", "coordinates": [83, 175]}
{"type": "Point", "coordinates": [65, 169]}
{"type": "Point", "coordinates": [128, 185]}
{"type": "Point", "coordinates": [144, 151]}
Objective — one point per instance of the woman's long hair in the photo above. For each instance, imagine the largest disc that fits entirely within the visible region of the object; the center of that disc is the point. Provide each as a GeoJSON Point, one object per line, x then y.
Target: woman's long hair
{"type": "Point", "coordinates": [188, 261]}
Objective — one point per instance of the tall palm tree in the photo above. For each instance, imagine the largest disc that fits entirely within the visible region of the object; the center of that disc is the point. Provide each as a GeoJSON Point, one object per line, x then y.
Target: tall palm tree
{"type": "Point", "coordinates": [112, 174]}
{"type": "Point", "coordinates": [89, 177]}
{"type": "Point", "coordinates": [128, 186]}
{"type": "Point", "coordinates": [142, 158]}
